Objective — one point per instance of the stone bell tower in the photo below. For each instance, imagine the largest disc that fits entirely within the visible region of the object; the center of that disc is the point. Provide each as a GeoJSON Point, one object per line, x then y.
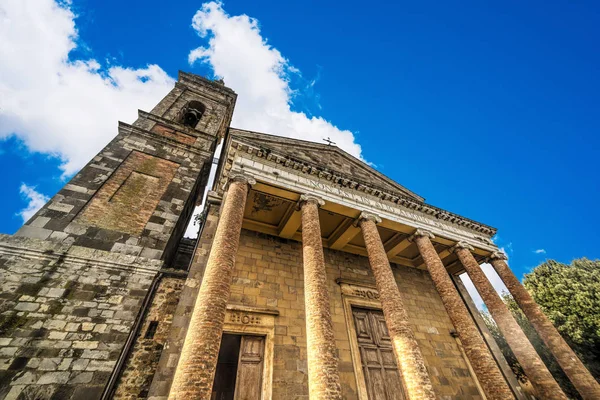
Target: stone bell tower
{"type": "Point", "coordinates": [104, 259]}
{"type": "Point", "coordinates": [137, 195]}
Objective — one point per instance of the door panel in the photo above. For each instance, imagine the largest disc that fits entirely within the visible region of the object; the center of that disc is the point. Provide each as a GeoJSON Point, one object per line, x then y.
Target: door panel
{"type": "Point", "coordinates": [250, 368]}
{"type": "Point", "coordinates": [382, 377]}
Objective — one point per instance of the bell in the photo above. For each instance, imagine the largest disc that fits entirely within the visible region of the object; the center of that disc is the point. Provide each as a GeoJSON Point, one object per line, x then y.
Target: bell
{"type": "Point", "coordinates": [191, 118]}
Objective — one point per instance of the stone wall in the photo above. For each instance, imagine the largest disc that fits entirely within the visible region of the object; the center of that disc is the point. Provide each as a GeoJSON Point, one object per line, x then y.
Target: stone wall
{"type": "Point", "coordinates": [151, 338]}
{"type": "Point", "coordinates": [269, 275]}
{"type": "Point", "coordinates": [65, 314]}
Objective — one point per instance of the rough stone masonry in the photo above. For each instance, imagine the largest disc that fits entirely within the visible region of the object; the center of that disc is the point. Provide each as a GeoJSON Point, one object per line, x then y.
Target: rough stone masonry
{"type": "Point", "coordinates": [314, 263]}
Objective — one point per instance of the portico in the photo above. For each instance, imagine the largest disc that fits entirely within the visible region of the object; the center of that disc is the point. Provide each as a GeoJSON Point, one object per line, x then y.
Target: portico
{"type": "Point", "coordinates": [323, 208]}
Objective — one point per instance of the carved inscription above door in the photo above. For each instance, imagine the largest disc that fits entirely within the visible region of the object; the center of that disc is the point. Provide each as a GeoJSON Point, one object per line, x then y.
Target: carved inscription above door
{"type": "Point", "coordinates": [382, 377]}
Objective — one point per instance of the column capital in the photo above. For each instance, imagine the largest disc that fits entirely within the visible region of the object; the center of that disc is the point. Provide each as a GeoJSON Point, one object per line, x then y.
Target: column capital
{"type": "Point", "coordinates": [497, 255]}
{"type": "Point", "coordinates": [420, 232]}
{"type": "Point", "coordinates": [310, 198]}
{"type": "Point", "coordinates": [241, 177]}
{"type": "Point", "coordinates": [365, 215]}
{"type": "Point", "coordinates": [461, 245]}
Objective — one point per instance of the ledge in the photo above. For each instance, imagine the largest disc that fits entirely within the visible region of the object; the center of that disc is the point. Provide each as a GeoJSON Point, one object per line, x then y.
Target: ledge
{"type": "Point", "coordinates": [356, 282]}
{"type": "Point", "coordinates": [256, 310]}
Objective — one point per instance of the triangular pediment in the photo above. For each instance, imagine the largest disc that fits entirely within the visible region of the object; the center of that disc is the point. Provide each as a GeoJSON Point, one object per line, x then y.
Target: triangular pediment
{"type": "Point", "coordinates": [324, 156]}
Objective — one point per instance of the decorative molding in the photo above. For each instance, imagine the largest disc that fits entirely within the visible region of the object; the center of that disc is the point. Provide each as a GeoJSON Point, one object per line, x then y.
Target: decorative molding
{"type": "Point", "coordinates": [241, 177]}
{"type": "Point", "coordinates": [360, 291]}
{"type": "Point", "coordinates": [309, 198]}
{"type": "Point", "coordinates": [461, 245]}
{"type": "Point", "coordinates": [260, 321]}
{"type": "Point", "coordinates": [421, 232]}
{"type": "Point", "coordinates": [369, 216]}
{"type": "Point", "coordinates": [335, 178]}
{"type": "Point", "coordinates": [214, 198]}
{"type": "Point", "coordinates": [497, 255]}
{"type": "Point", "coordinates": [356, 282]}
{"type": "Point", "coordinates": [288, 180]}
{"type": "Point", "coordinates": [131, 129]}
{"type": "Point", "coordinates": [256, 310]}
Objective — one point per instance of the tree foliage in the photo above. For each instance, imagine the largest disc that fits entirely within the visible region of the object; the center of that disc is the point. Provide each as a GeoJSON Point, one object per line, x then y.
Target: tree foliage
{"type": "Point", "coordinates": [570, 296]}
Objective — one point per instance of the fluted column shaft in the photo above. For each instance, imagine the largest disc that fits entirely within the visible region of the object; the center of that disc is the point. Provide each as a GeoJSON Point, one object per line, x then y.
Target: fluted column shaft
{"type": "Point", "coordinates": [486, 369]}
{"type": "Point", "coordinates": [542, 380]}
{"type": "Point", "coordinates": [581, 378]}
{"type": "Point", "coordinates": [323, 373]}
{"type": "Point", "coordinates": [196, 368]}
{"type": "Point", "coordinates": [408, 355]}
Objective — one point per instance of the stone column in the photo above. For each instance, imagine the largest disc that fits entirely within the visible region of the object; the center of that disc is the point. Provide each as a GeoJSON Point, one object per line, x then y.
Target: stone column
{"type": "Point", "coordinates": [408, 355]}
{"type": "Point", "coordinates": [196, 368]}
{"type": "Point", "coordinates": [535, 369]}
{"type": "Point", "coordinates": [323, 374]}
{"type": "Point", "coordinates": [581, 378]}
{"type": "Point", "coordinates": [487, 371]}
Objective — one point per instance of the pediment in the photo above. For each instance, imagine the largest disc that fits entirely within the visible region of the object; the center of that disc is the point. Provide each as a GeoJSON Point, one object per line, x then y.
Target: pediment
{"type": "Point", "coordinates": [332, 158]}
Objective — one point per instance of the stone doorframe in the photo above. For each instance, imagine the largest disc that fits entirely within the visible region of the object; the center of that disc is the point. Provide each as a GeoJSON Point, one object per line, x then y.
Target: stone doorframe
{"type": "Point", "coordinates": [244, 320]}
{"type": "Point", "coordinates": [365, 295]}
{"type": "Point", "coordinates": [361, 295]}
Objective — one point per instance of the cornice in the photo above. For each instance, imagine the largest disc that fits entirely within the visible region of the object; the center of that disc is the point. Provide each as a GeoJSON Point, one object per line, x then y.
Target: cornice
{"type": "Point", "coordinates": [198, 80]}
{"type": "Point", "coordinates": [336, 178]}
{"type": "Point", "coordinates": [186, 130]}
{"type": "Point", "coordinates": [242, 135]}
{"type": "Point", "coordinates": [126, 128]}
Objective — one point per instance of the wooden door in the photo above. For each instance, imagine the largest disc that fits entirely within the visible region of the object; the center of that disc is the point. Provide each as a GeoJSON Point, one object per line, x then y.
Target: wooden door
{"type": "Point", "coordinates": [382, 377]}
{"type": "Point", "coordinates": [248, 384]}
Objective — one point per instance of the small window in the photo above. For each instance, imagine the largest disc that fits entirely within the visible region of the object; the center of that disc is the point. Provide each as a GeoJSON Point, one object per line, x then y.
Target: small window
{"type": "Point", "coordinates": [152, 327]}
{"type": "Point", "coordinates": [192, 113]}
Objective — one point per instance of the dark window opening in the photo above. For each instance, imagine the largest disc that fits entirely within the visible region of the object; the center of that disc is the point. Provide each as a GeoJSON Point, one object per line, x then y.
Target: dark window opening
{"type": "Point", "coordinates": [192, 113]}
{"type": "Point", "coordinates": [227, 365]}
{"type": "Point", "coordinates": [152, 327]}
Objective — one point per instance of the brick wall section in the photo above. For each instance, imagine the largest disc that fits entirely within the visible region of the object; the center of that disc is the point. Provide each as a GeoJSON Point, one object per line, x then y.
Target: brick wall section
{"type": "Point", "coordinates": [173, 134]}
{"type": "Point", "coordinates": [144, 357]}
{"type": "Point", "coordinates": [323, 375]}
{"type": "Point", "coordinates": [535, 369]}
{"type": "Point", "coordinates": [568, 360]}
{"type": "Point", "coordinates": [196, 367]}
{"type": "Point", "coordinates": [65, 314]}
{"type": "Point", "coordinates": [408, 355]}
{"type": "Point", "coordinates": [57, 220]}
{"type": "Point", "coordinates": [484, 365]}
{"type": "Point", "coordinates": [127, 200]}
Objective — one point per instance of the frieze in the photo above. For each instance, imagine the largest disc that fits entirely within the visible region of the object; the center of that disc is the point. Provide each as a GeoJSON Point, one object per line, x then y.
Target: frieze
{"type": "Point", "coordinates": [357, 189]}
{"type": "Point", "coordinates": [336, 194]}
{"type": "Point", "coordinates": [240, 315]}
{"type": "Point", "coordinates": [244, 318]}
{"type": "Point", "coordinates": [359, 291]}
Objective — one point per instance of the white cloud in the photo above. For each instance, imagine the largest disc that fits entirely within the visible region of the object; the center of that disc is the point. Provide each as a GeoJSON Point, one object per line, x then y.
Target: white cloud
{"type": "Point", "coordinates": [540, 251]}
{"type": "Point", "coordinates": [35, 201]}
{"type": "Point", "coordinates": [494, 279]}
{"type": "Point", "coordinates": [68, 108]}
{"type": "Point", "coordinates": [260, 75]}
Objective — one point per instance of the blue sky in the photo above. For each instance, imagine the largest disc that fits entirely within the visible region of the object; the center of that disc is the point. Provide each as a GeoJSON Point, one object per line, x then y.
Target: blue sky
{"type": "Point", "coordinates": [489, 111]}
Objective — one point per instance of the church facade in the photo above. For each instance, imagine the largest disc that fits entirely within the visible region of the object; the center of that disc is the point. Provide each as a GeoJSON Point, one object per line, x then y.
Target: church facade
{"type": "Point", "coordinates": [313, 277]}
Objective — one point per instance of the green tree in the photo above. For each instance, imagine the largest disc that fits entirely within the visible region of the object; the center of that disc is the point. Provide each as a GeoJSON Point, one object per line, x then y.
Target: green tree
{"type": "Point", "coordinates": [570, 296]}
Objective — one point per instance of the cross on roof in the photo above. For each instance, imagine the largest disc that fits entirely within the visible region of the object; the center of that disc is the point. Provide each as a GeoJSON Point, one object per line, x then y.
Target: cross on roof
{"type": "Point", "coordinates": [329, 141]}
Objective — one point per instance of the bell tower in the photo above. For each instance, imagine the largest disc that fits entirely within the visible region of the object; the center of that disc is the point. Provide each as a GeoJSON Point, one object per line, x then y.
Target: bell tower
{"type": "Point", "coordinates": [136, 195]}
